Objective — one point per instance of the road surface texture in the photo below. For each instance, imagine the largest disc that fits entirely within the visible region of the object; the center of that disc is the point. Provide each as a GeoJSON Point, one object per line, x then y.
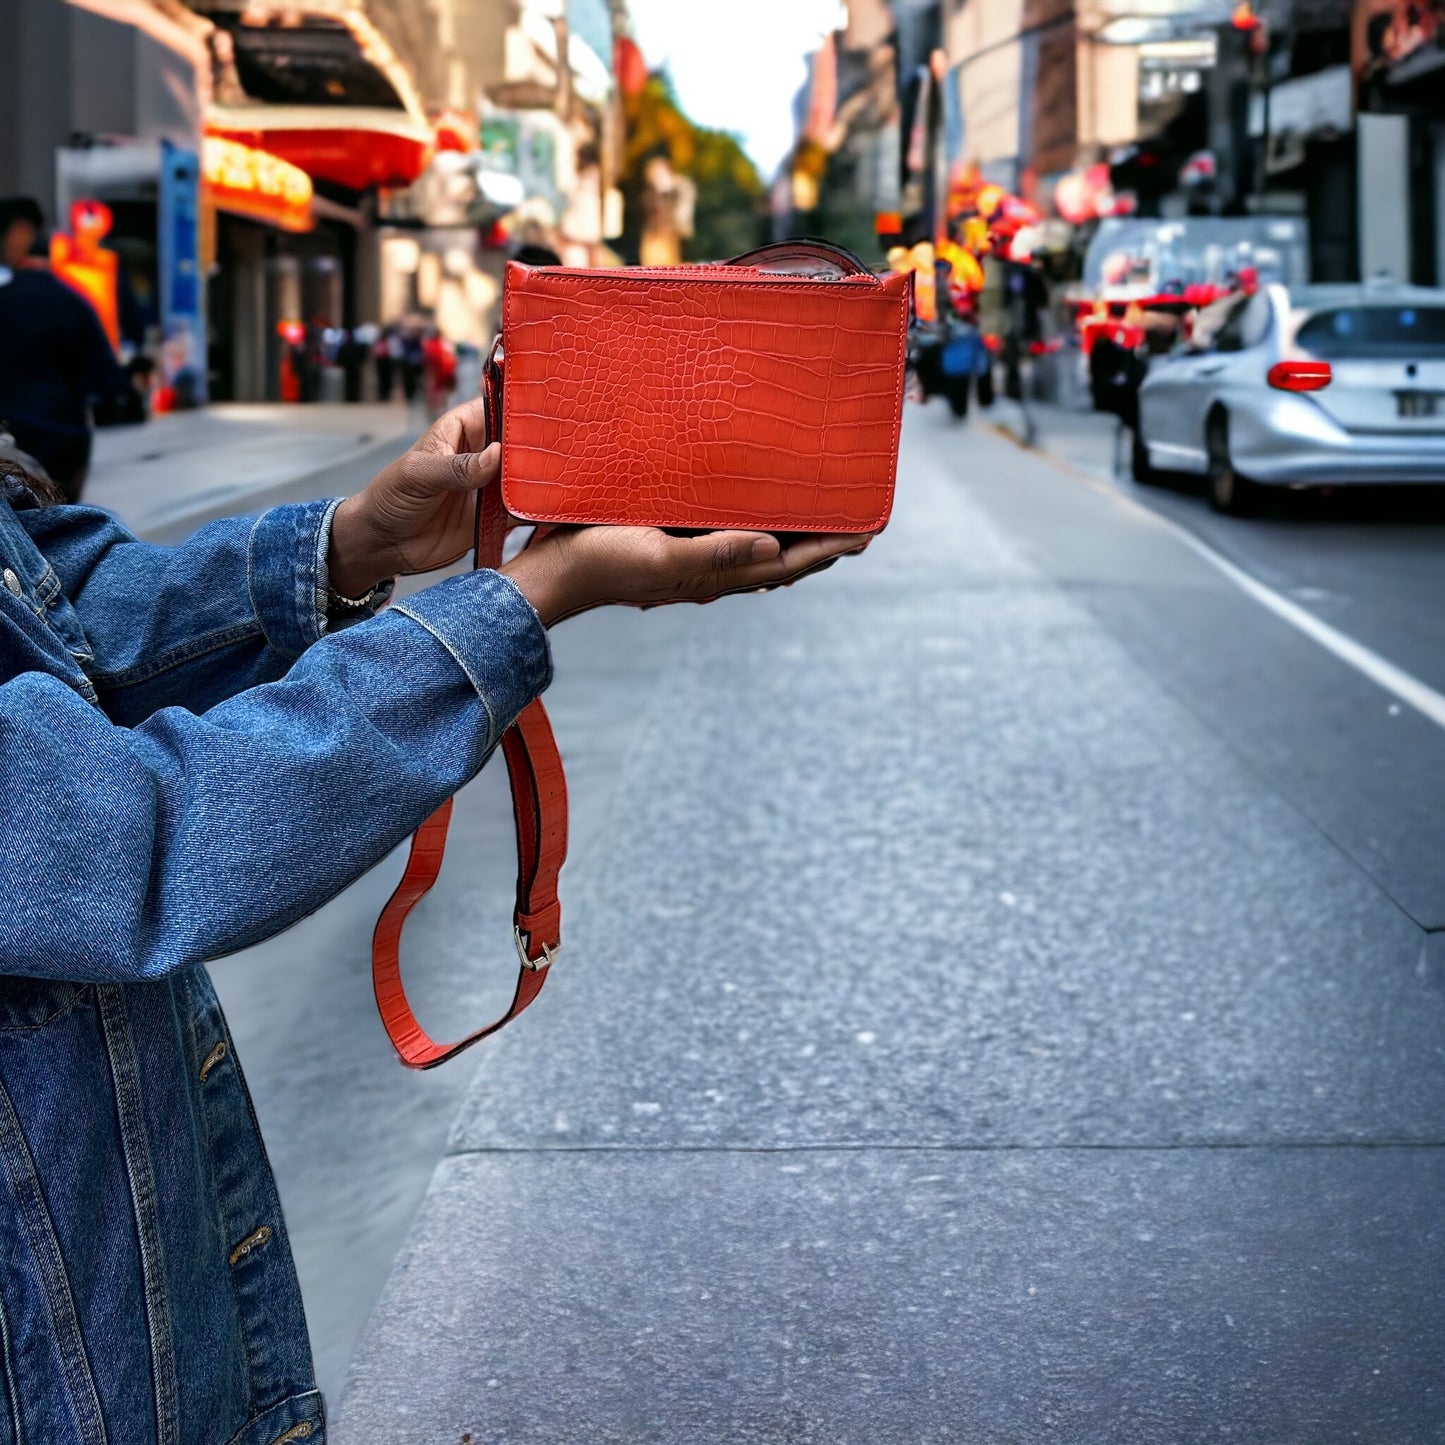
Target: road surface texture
{"type": "Point", "coordinates": [1003, 1000]}
{"type": "Point", "coordinates": [1368, 560]}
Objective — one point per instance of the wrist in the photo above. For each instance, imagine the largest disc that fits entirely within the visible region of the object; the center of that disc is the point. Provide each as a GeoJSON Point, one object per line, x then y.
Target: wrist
{"type": "Point", "coordinates": [538, 580]}
{"type": "Point", "coordinates": [355, 562]}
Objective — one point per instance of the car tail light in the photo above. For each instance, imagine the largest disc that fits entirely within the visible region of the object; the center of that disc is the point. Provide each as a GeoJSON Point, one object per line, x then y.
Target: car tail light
{"type": "Point", "coordinates": [1300, 375]}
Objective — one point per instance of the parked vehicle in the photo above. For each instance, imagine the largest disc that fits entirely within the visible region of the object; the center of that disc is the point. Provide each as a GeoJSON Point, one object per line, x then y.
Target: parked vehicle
{"type": "Point", "coordinates": [1299, 387]}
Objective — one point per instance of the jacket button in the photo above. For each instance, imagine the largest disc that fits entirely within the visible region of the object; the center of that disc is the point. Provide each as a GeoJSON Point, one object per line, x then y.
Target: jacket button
{"type": "Point", "coordinates": [12, 581]}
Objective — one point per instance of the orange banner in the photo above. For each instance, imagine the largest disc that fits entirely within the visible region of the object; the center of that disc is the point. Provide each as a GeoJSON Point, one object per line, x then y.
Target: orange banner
{"type": "Point", "coordinates": [249, 182]}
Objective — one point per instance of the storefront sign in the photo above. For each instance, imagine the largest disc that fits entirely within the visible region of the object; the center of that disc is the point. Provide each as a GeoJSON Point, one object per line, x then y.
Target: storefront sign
{"type": "Point", "coordinates": [183, 355]}
{"type": "Point", "coordinates": [249, 182]}
{"type": "Point", "coordinates": [499, 143]}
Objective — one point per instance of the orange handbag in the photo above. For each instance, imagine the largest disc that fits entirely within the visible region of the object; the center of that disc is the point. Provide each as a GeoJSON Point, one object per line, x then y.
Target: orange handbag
{"type": "Point", "coordinates": [763, 394]}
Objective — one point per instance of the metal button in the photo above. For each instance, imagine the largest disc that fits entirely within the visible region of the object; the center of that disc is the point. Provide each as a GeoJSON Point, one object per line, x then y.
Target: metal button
{"type": "Point", "coordinates": [12, 581]}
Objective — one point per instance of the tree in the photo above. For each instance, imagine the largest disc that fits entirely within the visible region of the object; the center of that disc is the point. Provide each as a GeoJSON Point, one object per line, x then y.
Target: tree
{"type": "Point", "coordinates": [729, 215]}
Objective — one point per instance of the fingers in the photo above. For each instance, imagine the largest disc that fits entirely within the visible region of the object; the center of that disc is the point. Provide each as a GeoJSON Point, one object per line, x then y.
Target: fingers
{"type": "Point", "coordinates": [719, 562]}
{"type": "Point", "coordinates": [431, 472]}
{"type": "Point", "coordinates": [770, 567]}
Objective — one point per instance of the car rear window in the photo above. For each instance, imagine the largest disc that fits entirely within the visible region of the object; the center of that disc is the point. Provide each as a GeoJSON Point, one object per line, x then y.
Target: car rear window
{"type": "Point", "coordinates": [1374, 331]}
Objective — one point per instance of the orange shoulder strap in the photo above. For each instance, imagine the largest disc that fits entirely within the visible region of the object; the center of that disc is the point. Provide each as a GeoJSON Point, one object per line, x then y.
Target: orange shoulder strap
{"type": "Point", "coordinates": [539, 802]}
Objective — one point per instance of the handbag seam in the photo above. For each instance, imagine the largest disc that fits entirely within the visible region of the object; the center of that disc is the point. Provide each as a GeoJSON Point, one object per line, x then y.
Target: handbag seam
{"type": "Point", "coordinates": [508, 295]}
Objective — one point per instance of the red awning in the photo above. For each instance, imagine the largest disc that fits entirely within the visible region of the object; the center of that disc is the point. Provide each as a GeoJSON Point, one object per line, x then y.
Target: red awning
{"type": "Point", "coordinates": [349, 147]}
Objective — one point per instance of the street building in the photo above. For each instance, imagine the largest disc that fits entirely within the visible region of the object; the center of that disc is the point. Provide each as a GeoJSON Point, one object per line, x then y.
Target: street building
{"type": "Point", "coordinates": [104, 102]}
{"type": "Point", "coordinates": [1322, 110]}
{"type": "Point", "coordinates": [282, 178]}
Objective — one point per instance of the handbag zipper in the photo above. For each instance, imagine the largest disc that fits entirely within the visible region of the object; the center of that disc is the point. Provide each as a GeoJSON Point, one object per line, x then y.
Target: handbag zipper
{"type": "Point", "coordinates": [699, 273]}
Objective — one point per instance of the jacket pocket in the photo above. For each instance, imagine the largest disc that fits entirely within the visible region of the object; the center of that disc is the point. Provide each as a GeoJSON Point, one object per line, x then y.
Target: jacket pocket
{"type": "Point", "coordinates": [31, 1003]}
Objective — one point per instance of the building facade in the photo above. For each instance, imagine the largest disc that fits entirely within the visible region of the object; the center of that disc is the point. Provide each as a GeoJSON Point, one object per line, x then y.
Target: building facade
{"type": "Point", "coordinates": [94, 106]}
{"type": "Point", "coordinates": [279, 169]}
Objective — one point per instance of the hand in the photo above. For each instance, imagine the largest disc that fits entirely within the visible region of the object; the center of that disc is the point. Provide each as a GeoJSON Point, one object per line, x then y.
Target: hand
{"type": "Point", "coordinates": [418, 514]}
{"type": "Point", "coordinates": [573, 569]}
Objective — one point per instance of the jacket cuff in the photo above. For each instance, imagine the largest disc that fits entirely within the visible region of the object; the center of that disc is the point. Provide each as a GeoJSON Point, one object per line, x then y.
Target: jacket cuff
{"type": "Point", "coordinates": [286, 573]}
{"type": "Point", "coordinates": [495, 636]}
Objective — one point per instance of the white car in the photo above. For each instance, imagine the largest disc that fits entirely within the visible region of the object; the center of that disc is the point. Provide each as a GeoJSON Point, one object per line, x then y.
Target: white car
{"type": "Point", "coordinates": [1299, 387]}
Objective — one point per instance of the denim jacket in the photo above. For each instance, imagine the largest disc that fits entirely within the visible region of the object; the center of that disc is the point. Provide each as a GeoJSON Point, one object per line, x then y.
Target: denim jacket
{"type": "Point", "coordinates": [189, 764]}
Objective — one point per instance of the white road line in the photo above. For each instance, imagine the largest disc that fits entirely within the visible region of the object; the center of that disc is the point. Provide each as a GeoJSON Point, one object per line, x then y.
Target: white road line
{"type": "Point", "coordinates": [1408, 688]}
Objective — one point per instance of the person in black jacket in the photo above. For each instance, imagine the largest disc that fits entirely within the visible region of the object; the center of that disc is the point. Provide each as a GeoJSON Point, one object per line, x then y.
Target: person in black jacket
{"type": "Point", "coordinates": [55, 360]}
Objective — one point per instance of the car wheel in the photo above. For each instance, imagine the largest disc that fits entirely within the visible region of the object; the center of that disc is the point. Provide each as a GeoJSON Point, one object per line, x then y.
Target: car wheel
{"type": "Point", "coordinates": [1229, 492]}
{"type": "Point", "coordinates": [1140, 467]}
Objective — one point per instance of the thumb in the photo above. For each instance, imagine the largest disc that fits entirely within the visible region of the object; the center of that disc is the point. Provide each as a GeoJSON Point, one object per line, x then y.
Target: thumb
{"type": "Point", "coordinates": [433, 472]}
{"type": "Point", "coordinates": [728, 551]}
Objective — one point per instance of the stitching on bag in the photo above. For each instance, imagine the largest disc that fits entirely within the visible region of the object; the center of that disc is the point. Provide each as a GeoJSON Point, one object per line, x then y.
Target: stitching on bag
{"type": "Point", "coordinates": [904, 312]}
{"type": "Point", "coordinates": [508, 296]}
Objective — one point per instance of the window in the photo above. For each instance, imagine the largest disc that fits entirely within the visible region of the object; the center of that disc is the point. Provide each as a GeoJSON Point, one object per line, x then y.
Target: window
{"type": "Point", "coordinates": [1347, 331]}
{"type": "Point", "coordinates": [1254, 323]}
{"type": "Point", "coordinates": [1233, 323]}
{"type": "Point", "coordinates": [1211, 331]}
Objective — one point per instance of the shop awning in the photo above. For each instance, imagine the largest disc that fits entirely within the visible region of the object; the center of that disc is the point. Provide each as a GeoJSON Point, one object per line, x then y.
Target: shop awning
{"type": "Point", "coordinates": [355, 148]}
{"type": "Point", "coordinates": [321, 91]}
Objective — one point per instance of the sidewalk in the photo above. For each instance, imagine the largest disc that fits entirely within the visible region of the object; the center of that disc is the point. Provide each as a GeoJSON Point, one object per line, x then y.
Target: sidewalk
{"type": "Point", "coordinates": [959, 1037]}
{"type": "Point", "coordinates": [174, 473]}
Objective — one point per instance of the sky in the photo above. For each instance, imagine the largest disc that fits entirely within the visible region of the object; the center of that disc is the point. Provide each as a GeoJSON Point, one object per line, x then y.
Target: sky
{"type": "Point", "coordinates": [737, 66]}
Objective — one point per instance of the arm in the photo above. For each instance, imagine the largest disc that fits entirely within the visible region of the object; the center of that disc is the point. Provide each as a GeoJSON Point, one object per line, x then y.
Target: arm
{"type": "Point", "coordinates": [191, 625]}
{"type": "Point", "coordinates": [240, 601]}
{"type": "Point", "coordinates": [130, 852]}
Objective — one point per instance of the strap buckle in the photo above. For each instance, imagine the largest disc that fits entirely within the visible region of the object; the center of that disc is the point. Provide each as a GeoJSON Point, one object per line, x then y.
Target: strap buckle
{"type": "Point", "coordinates": [535, 965]}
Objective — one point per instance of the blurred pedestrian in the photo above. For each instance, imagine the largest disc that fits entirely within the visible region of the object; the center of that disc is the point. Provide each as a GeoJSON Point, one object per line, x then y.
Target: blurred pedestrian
{"type": "Point", "coordinates": [21, 222]}
{"type": "Point", "coordinates": [439, 363]}
{"type": "Point", "coordinates": [55, 360]}
{"type": "Point", "coordinates": [351, 356]}
{"type": "Point", "coordinates": [412, 363]}
{"type": "Point", "coordinates": [201, 745]}
{"type": "Point", "coordinates": [388, 355]}
{"type": "Point", "coordinates": [311, 360]}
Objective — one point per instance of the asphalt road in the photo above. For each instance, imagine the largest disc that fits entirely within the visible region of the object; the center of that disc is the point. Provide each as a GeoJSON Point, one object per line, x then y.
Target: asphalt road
{"type": "Point", "coordinates": [1002, 1002]}
{"type": "Point", "coordinates": [1369, 561]}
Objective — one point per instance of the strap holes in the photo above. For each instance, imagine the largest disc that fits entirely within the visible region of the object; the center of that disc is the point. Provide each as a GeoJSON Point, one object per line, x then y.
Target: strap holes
{"type": "Point", "coordinates": [213, 1058]}
{"type": "Point", "coordinates": [254, 1240]}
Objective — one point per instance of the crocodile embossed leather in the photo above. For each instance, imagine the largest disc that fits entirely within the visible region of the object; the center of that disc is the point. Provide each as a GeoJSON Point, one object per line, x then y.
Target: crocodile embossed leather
{"type": "Point", "coordinates": [703, 397]}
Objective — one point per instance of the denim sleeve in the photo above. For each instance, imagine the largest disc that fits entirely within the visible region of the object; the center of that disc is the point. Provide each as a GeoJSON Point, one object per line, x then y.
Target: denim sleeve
{"type": "Point", "coordinates": [194, 624]}
{"type": "Point", "coordinates": [131, 852]}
